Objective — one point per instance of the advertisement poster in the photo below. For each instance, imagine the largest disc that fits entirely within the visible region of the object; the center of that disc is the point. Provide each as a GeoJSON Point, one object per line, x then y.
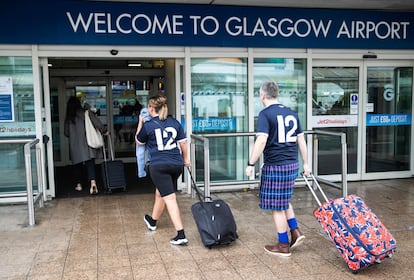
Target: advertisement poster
{"type": "Point", "coordinates": [334, 121]}
{"type": "Point", "coordinates": [6, 99]}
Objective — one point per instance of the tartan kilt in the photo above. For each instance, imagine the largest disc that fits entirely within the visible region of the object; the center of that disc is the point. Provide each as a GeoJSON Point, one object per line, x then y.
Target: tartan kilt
{"type": "Point", "coordinates": [277, 182]}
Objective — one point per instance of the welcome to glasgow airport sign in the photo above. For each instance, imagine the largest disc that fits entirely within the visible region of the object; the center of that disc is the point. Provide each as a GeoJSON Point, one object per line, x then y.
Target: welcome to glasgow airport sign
{"type": "Point", "coordinates": [83, 22]}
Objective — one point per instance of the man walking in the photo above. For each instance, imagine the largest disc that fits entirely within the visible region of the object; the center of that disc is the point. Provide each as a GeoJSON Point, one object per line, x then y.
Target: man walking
{"type": "Point", "coordinates": [279, 134]}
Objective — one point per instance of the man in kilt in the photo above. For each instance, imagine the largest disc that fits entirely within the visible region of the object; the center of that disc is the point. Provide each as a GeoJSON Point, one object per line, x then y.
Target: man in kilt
{"type": "Point", "coordinates": [278, 136]}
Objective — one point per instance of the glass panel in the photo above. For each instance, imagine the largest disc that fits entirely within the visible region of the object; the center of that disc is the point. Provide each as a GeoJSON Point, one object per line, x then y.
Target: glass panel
{"type": "Point", "coordinates": [17, 119]}
{"type": "Point", "coordinates": [290, 75]}
{"type": "Point", "coordinates": [92, 94]}
{"type": "Point", "coordinates": [389, 91]}
{"type": "Point", "coordinates": [128, 98]}
{"type": "Point", "coordinates": [93, 98]}
{"type": "Point", "coordinates": [335, 109]}
{"type": "Point", "coordinates": [17, 97]}
{"type": "Point", "coordinates": [12, 168]}
{"type": "Point", "coordinates": [219, 105]}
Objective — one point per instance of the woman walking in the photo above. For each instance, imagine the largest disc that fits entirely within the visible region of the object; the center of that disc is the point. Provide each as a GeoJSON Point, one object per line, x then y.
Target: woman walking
{"type": "Point", "coordinates": [167, 146]}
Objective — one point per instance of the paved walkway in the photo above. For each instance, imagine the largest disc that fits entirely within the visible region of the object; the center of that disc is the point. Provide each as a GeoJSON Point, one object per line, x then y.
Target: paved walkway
{"type": "Point", "coordinates": [104, 237]}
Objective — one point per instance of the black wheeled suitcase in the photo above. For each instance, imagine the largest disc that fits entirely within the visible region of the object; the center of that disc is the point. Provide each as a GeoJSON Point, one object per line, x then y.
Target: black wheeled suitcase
{"type": "Point", "coordinates": [113, 171]}
{"type": "Point", "coordinates": [214, 220]}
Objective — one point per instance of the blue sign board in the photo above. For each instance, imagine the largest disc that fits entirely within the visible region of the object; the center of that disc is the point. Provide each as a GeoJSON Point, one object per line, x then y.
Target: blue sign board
{"type": "Point", "coordinates": [217, 124]}
{"type": "Point", "coordinates": [6, 108]}
{"type": "Point", "coordinates": [388, 119]}
{"type": "Point", "coordinates": [84, 22]}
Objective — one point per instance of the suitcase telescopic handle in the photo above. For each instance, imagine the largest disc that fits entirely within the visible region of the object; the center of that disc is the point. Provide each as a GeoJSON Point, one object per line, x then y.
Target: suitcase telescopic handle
{"type": "Point", "coordinates": [194, 186]}
{"type": "Point", "coordinates": [110, 148]}
{"type": "Point", "coordinates": [312, 178]}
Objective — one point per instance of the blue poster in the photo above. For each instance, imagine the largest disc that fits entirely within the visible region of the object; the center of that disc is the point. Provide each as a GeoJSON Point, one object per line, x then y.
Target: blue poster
{"type": "Point", "coordinates": [213, 123]}
{"type": "Point", "coordinates": [6, 108]}
{"type": "Point", "coordinates": [388, 119]}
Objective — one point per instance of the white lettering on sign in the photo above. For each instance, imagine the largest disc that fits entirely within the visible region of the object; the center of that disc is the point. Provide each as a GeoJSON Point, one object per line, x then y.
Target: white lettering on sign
{"type": "Point", "coordinates": [366, 30]}
{"type": "Point", "coordinates": [203, 22]}
{"type": "Point", "coordinates": [285, 27]}
{"type": "Point", "coordinates": [126, 23]}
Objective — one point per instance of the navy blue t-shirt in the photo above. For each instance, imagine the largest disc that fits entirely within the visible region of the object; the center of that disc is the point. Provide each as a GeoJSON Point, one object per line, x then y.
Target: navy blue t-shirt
{"type": "Point", "coordinates": [162, 139]}
{"type": "Point", "coordinates": [282, 127]}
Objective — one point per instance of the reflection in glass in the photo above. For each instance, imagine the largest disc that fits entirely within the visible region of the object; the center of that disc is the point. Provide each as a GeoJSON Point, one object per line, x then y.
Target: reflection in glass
{"type": "Point", "coordinates": [219, 105]}
{"type": "Point", "coordinates": [19, 71]}
{"type": "Point", "coordinates": [128, 98]}
{"type": "Point", "coordinates": [389, 91]}
{"type": "Point", "coordinates": [332, 111]}
{"type": "Point", "coordinates": [18, 120]}
{"type": "Point", "coordinates": [290, 76]}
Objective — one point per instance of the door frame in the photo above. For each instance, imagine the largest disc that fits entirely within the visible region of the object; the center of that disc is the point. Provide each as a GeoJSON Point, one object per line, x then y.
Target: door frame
{"type": "Point", "coordinates": [343, 63]}
{"type": "Point", "coordinates": [47, 163]}
{"type": "Point", "coordinates": [390, 174]}
{"type": "Point", "coordinates": [83, 76]}
{"type": "Point", "coordinates": [363, 65]}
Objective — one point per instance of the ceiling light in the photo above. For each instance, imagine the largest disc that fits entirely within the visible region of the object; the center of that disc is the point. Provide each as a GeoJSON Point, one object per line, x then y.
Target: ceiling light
{"type": "Point", "coordinates": [133, 64]}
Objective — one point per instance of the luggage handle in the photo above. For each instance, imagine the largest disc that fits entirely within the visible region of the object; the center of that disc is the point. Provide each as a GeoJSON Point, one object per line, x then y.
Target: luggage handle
{"type": "Point", "coordinates": [312, 189]}
{"type": "Point", "coordinates": [110, 148]}
{"type": "Point", "coordinates": [194, 186]}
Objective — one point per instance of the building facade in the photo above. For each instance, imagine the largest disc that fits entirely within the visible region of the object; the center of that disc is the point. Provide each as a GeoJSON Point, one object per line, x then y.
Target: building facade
{"type": "Point", "coordinates": [340, 70]}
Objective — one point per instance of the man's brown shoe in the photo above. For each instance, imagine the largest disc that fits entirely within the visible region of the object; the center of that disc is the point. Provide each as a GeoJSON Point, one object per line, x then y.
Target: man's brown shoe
{"type": "Point", "coordinates": [280, 249]}
{"type": "Point", "coordinates": [296, 238]}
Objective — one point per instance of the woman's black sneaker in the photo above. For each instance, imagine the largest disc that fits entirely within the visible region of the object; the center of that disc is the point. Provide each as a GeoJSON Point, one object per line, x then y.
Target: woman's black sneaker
{"type": "Point", "coordinates": [150, 222]}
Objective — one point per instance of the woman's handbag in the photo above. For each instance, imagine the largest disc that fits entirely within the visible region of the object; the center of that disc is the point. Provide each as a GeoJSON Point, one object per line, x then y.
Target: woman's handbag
{"type": "Point", "coordinates": [93, 135]}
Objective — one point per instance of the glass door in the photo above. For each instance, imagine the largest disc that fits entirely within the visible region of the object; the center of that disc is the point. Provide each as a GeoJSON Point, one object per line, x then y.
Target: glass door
{"type": "Point", "coordinates": [128, 97]}
{"type": "Point", "coordinates": [219, 105]}
{"type": "Point", "coordinates": [388, 120]}
{"type": "Point", "coordinates": [371, 101]}
{"type": "Point", "coordinates": [336, 92]}
{"type": "Point", "coordinates": [92, 94]}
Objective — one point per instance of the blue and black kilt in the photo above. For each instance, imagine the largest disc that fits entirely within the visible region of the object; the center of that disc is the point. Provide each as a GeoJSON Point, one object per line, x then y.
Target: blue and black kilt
{"type": "Point", "coordinates": [277, 182]}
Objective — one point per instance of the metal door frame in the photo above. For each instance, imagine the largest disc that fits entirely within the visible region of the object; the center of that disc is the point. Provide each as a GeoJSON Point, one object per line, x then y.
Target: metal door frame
{"type": "Point", "coordinates": [344, 63]}
{"type": "Point", "coordinates": [363, 65]}
{"type": "Point", "coordinates": [391, 174]}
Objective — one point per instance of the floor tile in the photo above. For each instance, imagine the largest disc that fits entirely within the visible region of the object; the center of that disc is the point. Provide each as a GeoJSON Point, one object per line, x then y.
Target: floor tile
{"type": "Point", "coordinates": [104, 237]}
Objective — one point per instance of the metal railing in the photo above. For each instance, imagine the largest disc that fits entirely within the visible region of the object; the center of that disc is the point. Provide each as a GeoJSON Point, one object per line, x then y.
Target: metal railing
{"type": "Point", "coordinates": [204, 139]}
{"type": "Point", "coordinates": [344, 159]}
{"type": "Point", "coordinates": [32, 196]}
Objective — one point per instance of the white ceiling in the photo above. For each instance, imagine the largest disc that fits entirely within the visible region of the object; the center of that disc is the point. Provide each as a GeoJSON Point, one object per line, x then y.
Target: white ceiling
{"type": "Point", "coordinates": [390, 5]}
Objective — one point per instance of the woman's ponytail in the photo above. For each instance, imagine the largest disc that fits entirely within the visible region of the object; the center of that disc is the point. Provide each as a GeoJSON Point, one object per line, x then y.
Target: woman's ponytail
{"type": "Point", "coordinates": [163, 112]}
{"type": "Point", "coordinates": [159, 103]}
